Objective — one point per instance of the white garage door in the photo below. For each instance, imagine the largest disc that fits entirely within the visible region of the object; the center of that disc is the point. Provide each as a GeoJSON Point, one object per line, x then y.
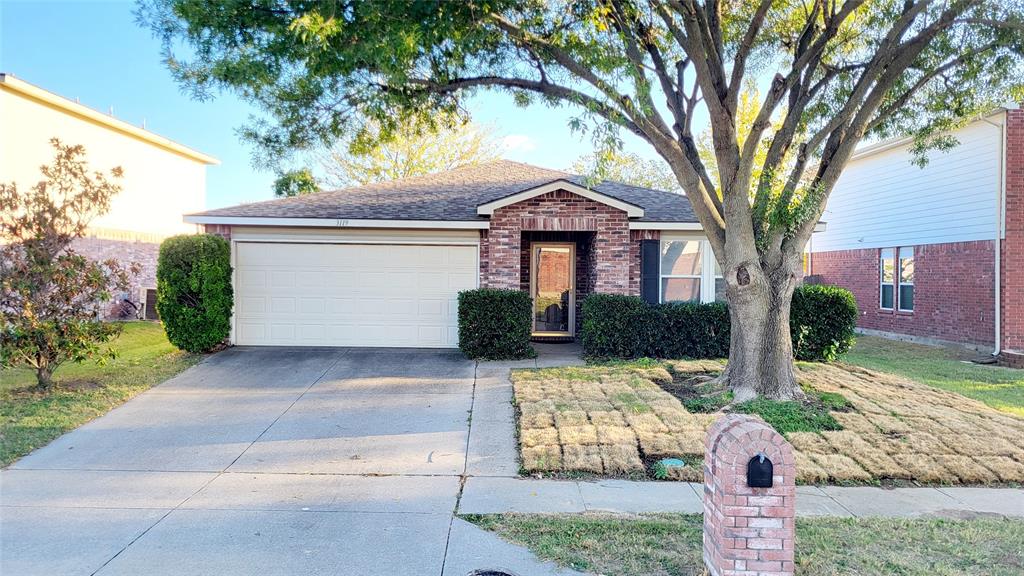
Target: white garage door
{"type": "Point", "coordinates": [350, 294]}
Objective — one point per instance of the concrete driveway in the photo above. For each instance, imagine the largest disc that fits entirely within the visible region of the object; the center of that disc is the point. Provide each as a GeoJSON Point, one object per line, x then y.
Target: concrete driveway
{"type": "Point", "coordinates": [273, 461]}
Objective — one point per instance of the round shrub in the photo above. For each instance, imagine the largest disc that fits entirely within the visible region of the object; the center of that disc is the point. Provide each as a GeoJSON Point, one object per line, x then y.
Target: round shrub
{"type": "Point", "coordinates": [822, 322]}
{"type": "Point", "coordinates": [495, 324]}
{"type": "Point", "coordinates": [194, 296]}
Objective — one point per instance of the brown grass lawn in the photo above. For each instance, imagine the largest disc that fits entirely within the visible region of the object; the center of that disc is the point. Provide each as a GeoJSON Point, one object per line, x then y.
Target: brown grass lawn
{"type": "Point", "coordinates": [616, 419]}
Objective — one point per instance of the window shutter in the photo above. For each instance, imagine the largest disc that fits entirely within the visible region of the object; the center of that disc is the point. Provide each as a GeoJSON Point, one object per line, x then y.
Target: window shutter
{"type": "Point", "coordinates": [650, 254]}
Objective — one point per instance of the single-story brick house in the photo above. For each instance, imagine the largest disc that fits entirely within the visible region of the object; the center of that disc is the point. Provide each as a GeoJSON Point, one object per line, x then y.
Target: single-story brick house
{"type": "Point", "coordinates": [934, 253]}
{"type": "Point", "coordinates": [381, 265]}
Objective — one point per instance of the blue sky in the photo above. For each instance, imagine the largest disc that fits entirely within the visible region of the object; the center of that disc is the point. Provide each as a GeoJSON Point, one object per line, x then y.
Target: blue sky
{"type": "Point", "coordinates": [94, 51]}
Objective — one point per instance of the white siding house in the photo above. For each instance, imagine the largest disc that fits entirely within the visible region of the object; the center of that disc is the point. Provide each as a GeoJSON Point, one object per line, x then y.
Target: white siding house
{"type": "Point", "coordinates": [883, 199]}
{"type": "Point", "coordinates": [928, 250]}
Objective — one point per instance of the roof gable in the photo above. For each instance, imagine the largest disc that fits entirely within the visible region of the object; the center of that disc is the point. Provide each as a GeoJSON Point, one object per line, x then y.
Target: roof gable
{"type": "Point", "coordinates": [631, 210]}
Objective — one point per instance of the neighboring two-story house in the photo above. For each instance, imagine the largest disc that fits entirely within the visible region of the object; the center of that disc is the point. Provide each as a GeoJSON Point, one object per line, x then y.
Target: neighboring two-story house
{"type": "Point", "coordinates": [162, 179]}
{"type": "Point", "coordinates": [934, 253]}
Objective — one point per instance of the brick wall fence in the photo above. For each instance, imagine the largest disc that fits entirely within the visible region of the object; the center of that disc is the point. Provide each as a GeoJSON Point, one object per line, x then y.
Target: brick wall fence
{"type": "Point", "coordinates": [560, 211]}
{"type": "Point", "coordinates": [954, 290]}
{"type": "Point", "coordinates": [1012, 278]}
{"type": "Point", "coordinates": [747, 531]}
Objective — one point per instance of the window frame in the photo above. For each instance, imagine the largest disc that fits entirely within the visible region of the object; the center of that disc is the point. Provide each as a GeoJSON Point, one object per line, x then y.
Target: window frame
{"type": "Point", "coordinates": [706, 276]}
{"type": "Point", "coordinates": [881, 278]}
{"type": "Point", "coordinates": [898, 277]}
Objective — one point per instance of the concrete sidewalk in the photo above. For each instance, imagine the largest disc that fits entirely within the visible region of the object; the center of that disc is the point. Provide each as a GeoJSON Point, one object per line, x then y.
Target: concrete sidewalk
{"type": "Point", "coordinates": [494, 495]}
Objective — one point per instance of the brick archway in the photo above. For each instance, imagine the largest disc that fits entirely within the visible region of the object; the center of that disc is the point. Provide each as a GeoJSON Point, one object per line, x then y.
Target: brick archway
{"type": "Point", "coordinates": [560, 211]}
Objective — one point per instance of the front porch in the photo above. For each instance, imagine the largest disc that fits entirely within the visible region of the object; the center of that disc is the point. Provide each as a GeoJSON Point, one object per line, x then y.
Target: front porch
{"type": "Point", "coordinates": [555, 269]}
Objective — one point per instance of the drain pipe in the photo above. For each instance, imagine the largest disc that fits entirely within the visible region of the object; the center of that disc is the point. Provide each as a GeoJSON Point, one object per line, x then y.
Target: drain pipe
{"type": "Point", "coordinates": [1000, 194]}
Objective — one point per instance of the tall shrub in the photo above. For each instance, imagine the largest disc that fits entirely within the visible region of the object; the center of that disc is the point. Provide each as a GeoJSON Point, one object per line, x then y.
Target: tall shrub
{"type": "Point", "coordinates": [822, 322]}
{"type": "Point", "coordinates": [617, 326]}
{"type": "Point", "coordinates": [194, 296]}
{"type": "Point", "coordinates": [495, 324]}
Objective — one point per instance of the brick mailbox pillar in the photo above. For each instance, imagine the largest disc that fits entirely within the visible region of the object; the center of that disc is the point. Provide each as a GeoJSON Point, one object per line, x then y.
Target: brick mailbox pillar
{"type": "Point", "coordinates": [748, 531]}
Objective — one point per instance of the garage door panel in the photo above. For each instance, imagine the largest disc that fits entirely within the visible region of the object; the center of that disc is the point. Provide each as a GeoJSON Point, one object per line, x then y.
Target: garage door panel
{"type": "Point", "coordinates": [350, 295]}
{"type": "Point", "coordinates": [312, 306]}
{"type": "Point", "coordinates": [282, 305]}
{"type": "Point", "coordinates": [252, 279]}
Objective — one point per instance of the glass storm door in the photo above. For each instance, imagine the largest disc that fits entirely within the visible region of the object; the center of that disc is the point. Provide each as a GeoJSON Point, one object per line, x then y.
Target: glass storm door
{"type": "Point", "coordinates": [552, 285]}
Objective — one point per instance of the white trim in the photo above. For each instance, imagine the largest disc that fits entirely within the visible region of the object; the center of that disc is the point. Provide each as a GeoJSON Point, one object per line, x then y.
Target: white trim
{"type": "Point", "coordinates": [881, 277]}
{"type": "Point", "coordinates": [889, 143]}
{"type": "Point", "coordinates": [334, 222]}
{"type": "Point", "coordinates": [368, 241]}
{"type": "Point", "coordinates": [356, 236]}
{"type": "Point", "coordinates": [997, 344]}
{"type": "Point", "coordinates": [631, 210]}
{"type": "Point", "coordinates": [703, 248]}
{"type": "Point", "coordinates": [692, 226]}
{"type": "Point", "coordinates": [899, 277]}
{"type": "Point", "coordinates": [688, 226]}
{"type": "Point", "coordinates": [62, 104]}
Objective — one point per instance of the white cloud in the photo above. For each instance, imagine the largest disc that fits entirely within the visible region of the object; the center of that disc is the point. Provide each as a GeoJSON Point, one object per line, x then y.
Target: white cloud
{"type": "Point", "coordinates": [518, 143]}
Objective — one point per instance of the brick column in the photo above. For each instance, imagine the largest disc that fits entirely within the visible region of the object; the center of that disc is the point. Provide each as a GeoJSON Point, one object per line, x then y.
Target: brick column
{"type": "Point", "coordinates": [1012, 269]}
{"type": "Point", "coordinates": [747, 531]}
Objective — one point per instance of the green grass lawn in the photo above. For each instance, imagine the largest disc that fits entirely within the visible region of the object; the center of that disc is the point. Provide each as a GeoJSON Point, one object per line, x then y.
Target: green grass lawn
{"type": "Point", "coordinates": [670, 544]}
{"type": "Point", "coordinates": [30, 419]}
{"type": "Point", "coordinates": [941, 367]}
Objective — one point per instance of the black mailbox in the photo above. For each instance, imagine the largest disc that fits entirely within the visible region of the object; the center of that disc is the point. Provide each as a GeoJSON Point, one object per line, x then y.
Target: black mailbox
{"type": "Point", "coordinates": [759, 472]}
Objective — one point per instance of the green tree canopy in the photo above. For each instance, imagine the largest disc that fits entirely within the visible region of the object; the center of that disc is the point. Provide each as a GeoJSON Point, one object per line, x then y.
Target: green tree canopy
{"type": "Point", "coordinates": [627, 167]}
{"type": "Point", "coordinates": [51, 297]}
{"type": "Point", "coordinates": [831, 72]}
{"type": "Point", "coordinates": [295, 183]}
{"type": "Point", "coordinates": [411, 149]}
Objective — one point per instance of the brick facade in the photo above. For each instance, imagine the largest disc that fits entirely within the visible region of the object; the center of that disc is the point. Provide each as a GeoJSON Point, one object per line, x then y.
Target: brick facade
{"type": "Point", "coordinates": [502, 247]}
{"type": "Point", "coordinates": [1012, 277]}
{"type": "Point", "coordinates": [125, 252]}
{"type": "Point", "coordinates": [954, 290]}
{"type": "Point", "coordinates": [635, 237]}
{"type": "Point", "coordinates": [747, 531]}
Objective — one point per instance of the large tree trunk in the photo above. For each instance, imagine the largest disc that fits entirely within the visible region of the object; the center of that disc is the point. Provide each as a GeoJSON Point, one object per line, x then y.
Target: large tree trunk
{"type": "Point", "coordinates": [761, 350]}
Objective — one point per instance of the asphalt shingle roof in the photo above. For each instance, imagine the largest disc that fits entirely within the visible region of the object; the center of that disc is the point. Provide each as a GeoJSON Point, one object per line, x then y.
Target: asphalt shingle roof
{"type": "Point", "coordinates": [452, 195]}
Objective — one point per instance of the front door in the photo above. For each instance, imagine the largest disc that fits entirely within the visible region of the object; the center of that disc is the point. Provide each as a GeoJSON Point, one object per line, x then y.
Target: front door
{"type": "Point", "coordinates": [552, 285]}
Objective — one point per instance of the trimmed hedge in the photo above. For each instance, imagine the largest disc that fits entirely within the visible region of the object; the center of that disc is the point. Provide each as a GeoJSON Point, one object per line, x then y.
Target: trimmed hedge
{"type": "Point", "coordinates": [822, 322]}
{"type": "Point", "coordinates": [616, 326]}
{"type": "Point", "coordinates": [193, 290]}
{"type": "Point", "coordinates": [495, 324]}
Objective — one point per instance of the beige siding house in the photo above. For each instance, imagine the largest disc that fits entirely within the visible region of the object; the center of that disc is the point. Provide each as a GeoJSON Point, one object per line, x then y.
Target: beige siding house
{"type": "Point", "coordinates": [162, 179]}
